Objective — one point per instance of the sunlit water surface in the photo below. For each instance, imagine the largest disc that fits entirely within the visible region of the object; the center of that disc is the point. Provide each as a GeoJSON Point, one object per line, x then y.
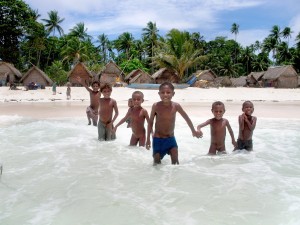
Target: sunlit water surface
{"type": "Point", "coordinates": [56, 172]}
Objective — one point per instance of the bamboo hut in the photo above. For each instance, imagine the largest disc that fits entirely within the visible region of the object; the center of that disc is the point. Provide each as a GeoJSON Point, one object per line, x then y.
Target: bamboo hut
{"type": "Point", "coordinates": [111, 74]}
{"type": "Point", "coordinates": [138, 76]}
{"type": "Point", "coordinates": [37, 76]}
{"type": "Point", "coordinates": [280, 77]}
{"type": "Point", "coordinates": [222, 82]}
{"type": "Point", "coordinates": [254, 79]}
{"type": "Point", "coordinates": [239, 81]}
{"type": "Point", "coordinates": [8, 73]}
{"type": "Point", "coordinates": [165, 75]}
{"type": "Point", "coordinates": [80, 70]}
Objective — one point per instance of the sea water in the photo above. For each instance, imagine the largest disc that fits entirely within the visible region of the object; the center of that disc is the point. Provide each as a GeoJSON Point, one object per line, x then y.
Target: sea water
{"type": "Point", "coordinates": [56, 172]}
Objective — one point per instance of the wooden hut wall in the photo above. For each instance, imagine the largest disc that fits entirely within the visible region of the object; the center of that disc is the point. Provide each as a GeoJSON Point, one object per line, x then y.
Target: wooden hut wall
{"type": "Point", "coordinates": [287, 82]}
{"type": "Point", "coordinates": [36, 77]}
{"type": "Point", "coordinates": [6, 71]}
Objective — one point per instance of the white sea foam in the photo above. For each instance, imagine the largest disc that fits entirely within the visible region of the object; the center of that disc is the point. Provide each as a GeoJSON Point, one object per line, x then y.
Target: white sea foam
{"type": "Point", "coordinates": [56, 172]}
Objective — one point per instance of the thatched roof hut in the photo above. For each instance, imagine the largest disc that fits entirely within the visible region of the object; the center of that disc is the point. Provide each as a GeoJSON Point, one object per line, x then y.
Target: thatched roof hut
{"type": "Point", "coordinates": [80, 70]}
{"type": "Point", "coordinates": [138, 76]}
{"type": "Point", "coordinates": [254, 78]}
{"type": "Point", "coordinates": [281, 77]}
{"type": "Point", "coordinates": [34, 74]}
{"type": "Point", "coordinates": [111, 74]}
{"type": "Point", "coordinates": [207, 75]}
{"type": "Point", "coordinates": [222, 82]}
{"type": "Point", "coordinates": [239, 82]}
{"type": "Point", "coordinates": [8, 73]}
{"type": "Point", "coordinates": [165, 75]}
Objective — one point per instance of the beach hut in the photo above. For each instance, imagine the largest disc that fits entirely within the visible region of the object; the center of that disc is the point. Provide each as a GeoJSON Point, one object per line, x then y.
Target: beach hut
{"type": "Point", "coordinates": [165, 75]}
{"type": "Point", "coordinates": [222, 82]}
{"type": "Point", "coordinates": [254, 79]}
{"type": "Point", "coordinates": [36, 76]}
{"type": "Point", "coordinates": [8, 73]}
{"type": "Point", "coordinates": [239, 81]}
{"type": "Point", "coordinates": [111, 74]}
{"type": "Point", "coordinates": [138, 76]}
{"type": "Point", "coordinates": [80, 70]}
{"type": "Point", "coordinates": [280, 77]}
{"type": "Point", "coordinates": [207, 75]}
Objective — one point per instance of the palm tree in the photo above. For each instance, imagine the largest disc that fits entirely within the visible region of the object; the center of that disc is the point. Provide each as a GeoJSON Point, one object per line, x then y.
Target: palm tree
{"type": "Point", "coordinates": [150, 36]}
{"type": "Point", "coordinates": [235, 31]}
{"type": "Point", "coordinates": [287, 33]}
{"type": "Point", "coordinates": [79, 31]}
{"type": "Point", "coordinates": [275, 39]}
{"type": "Point", "coordinates": [74, 51]}
{"type": "Point", "coordinates": [124, 43]}
{"type": "Point", "coordinates": [104, 45]}
{"type": "Point", "coordinates": [53, 22]}
{"type": "Point", "coordinates": [177, 53]}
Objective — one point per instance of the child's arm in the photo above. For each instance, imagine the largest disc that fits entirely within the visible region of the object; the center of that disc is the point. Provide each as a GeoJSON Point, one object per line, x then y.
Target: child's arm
{"type": "Point", "coordinates": [150, 126]}
{"type": "Point", "coordinates": [241, 122]}
{"type": "Point", "coordinates": [188, 121]}
{"type": "Point", "coordinates": [116, 110]}
{"type": "Point", "coordinates": [231, 133]}
{"type": "Point", "coordinates": [203, 125]}
{"type": "Point", "coordinates": [83, 83]}
{"type": "Point", "coordinates": [249, 124]}
{"type": "Point", "coordinates": [122, 120]}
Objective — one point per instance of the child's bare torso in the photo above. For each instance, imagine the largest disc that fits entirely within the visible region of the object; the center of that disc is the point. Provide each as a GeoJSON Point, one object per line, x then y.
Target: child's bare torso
{"type": "Point", "coordinates": [138, 121]}
{"type": "Point", "coordinates": [106, 110]}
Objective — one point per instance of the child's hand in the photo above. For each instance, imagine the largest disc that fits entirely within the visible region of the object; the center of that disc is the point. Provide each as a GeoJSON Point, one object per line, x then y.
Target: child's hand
{"type": "Point", "coordinates": [148, 144]}
{"type": "Point", "coordinates": [198, 134]}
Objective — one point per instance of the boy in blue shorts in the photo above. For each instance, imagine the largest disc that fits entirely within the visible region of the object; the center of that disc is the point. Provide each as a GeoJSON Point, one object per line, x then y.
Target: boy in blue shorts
{"type": "Point", "coordinates": [164, 112]}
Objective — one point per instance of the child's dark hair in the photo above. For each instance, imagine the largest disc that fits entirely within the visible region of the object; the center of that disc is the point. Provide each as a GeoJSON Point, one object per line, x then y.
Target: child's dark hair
{"type": "Point", "coordinates": [96, 82]}
{"type": "Point", "coordinates": [167, 84]}
{"type": "Point", "coordinates": [247, 102]}
{"type": "Point", "coordinates": [139, 93]}
{"type": "Point", "coordinates": [105, 86]}
{"type": "Point", "coordinates": [217, 103]}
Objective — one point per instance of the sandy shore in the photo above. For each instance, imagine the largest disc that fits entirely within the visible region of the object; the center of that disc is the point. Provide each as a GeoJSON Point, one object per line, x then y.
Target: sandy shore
{"type": "Point", "coordinates": [269, 102]}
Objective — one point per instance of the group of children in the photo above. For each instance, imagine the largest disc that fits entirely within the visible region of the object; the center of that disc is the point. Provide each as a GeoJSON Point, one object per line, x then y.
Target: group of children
{"type": "Point", "coordinates": [164, 114]}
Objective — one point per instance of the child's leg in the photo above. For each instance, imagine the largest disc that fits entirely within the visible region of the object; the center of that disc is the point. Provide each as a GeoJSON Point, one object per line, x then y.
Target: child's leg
{"type": "Point", "coordinates": [133, 141]}
{"type": "Point", "coordinates": [88, 114]}
{"type": "Point", "coordinates": [156, 159]}
{"type": "Point", "coordinates": [174, 155]}
{"type": "Point", "coordinates": [142, 141]}
{"type": "Point", "coordinates": [212, 150]}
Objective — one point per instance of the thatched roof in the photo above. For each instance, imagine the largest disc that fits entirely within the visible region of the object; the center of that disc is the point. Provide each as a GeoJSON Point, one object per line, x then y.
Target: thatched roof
{"type": "Point", "coordinates": [158, 73]}
{"type": "Point", "coordinates": [134, 73]}
{"type": "Point", "coordinates": [7, 67]}
{"type": "Point", "coordinates": [239, 82]}
{"type": "Point", "coordinates": [205, 74]}
{"type": "Point", "coordinates": [142, 78]}
{"type": "Point", "coordinates": [165, 74]}
{"type": "Point", "coordinates": [80, 69]}
{"type": "Point", "coordinates": [40, 72]}
{"type": "Point", "coordinates": [274, 73]}
{"type": "Point", "coordinates": [256, 75]}
{"type": "Point", "coordinates": [112, 68]}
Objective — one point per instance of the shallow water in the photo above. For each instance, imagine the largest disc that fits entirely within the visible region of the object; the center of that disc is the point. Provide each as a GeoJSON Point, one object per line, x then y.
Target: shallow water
{"type": "Point", "coordinates": [56, 172]}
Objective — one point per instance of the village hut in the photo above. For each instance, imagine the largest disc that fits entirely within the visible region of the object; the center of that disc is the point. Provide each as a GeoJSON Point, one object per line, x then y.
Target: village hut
{"type": "Point", "coordinates": [111, 74]}
{"type": "Point", "coordinates": [165, 75]}
{"type": "Point", "coordinates": [80, 70]}
{"type": "Point", "coordinates": [254, 79]}
{"type": "Point", "coordinates": [280, 77]}
{"type": "Point", "coordinates": [298, 81]}
{"type": "Point", "coordinates": [36, 76]}
{"type": "Point", "coordinates": [222, 82]}
{"type": "Point", "coordinates": [239, 81]}
{"type": "Point", "coordinates": [9, 74]}
{"type": "Point", "coordinates": [207, 75]}
{"type": "Point", "coordinates": [139, 76]}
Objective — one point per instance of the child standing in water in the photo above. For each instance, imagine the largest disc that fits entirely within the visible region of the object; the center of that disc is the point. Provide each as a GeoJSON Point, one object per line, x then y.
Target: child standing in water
{"type": "Point", "coordinates": [164, 112]}
{"type": "Point", "coordinates": [218, 126]}
{"type": "Point", "coordinates": [247, 124]}
{"type": "Point", "coordinates": [95, 94]}
{"type": "Point", "coordinates": [108, 107]}
{"type": "Point", "coordinates": [137, 116]}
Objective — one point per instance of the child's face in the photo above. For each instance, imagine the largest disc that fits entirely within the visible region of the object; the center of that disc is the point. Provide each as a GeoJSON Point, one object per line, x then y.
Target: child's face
{"type": "Point", "coordinates": [248, 109]}
{"type": "Point", "coordinates": [106, 92]}
{"type": "Point", "coordinates": [130, 103]}
{"type": "Point", "coordinates": [95, 87]}
{"type": "Point", "coordinates": [218, 111]}
{"type": "Point", "coordinates": [166, 94]}
{"type": "Point", "coordinates": [137, 100]}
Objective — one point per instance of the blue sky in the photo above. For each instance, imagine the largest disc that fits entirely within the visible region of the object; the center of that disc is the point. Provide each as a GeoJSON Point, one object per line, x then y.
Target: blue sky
{"type": "Point", "coordinates": [209, 17]}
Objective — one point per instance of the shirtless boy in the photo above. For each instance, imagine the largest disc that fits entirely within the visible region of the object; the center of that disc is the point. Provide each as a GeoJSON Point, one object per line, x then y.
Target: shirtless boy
{"type": "Point", "coordinates": [137, 116]}
{"type": "Point", "coordinates": [218, 126]}
{"type": "Point", "coordinates": [164, 112]}
{"type": "Point", "coordinates": [247, 124]}
{"type": "Point", "coordinates": [108, 107]}
{"type": "Point", "coordinates": [92, 110]}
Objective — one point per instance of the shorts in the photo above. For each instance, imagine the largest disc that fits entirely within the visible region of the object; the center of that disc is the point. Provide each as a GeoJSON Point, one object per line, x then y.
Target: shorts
{"type": "Point", "coordinates": [93, 113]}
{"type": "Point", "coordinates": [245, 144]}
{"type": "Point", "coordinates": [163, 145]}
{"type": "Point", "coordinates": [105, 134]}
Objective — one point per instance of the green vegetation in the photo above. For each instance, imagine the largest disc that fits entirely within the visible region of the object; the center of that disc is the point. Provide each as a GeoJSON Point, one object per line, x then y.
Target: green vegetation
{"type": "Point", "coordinates": [25, 41]}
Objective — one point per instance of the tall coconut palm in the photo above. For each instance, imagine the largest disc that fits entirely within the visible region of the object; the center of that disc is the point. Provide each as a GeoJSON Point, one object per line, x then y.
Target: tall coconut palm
{"type": "Point", "coordinates": [52, 24]}
{"type": "Point", "coordinates": [287, 33]}
{"type": "Point", "coordinates": [235, 30]}
{"type": "Point", "coordinates": [103, 46]}
{"type": "Point", "coordinates": [80, 31]}
{"type": "Point", "coordinates": [124, 43]}
{"type": "Point", "coordinates": [74, 51]}
{"type": "Point", "coordinates": [150, 36]}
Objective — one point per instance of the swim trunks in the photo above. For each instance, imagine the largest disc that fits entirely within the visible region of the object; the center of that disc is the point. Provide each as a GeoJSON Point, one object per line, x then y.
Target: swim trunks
{"type": "Point", "coordinates": [245, 144]}
{"type": "Point", "coordinates": [163, 145]}
{"type": "Point", "coordinates": [105, 134]}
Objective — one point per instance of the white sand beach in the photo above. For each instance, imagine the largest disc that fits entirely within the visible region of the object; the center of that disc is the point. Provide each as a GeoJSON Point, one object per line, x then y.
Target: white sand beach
{"type": "Point", "coordinates": [41, 103]}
